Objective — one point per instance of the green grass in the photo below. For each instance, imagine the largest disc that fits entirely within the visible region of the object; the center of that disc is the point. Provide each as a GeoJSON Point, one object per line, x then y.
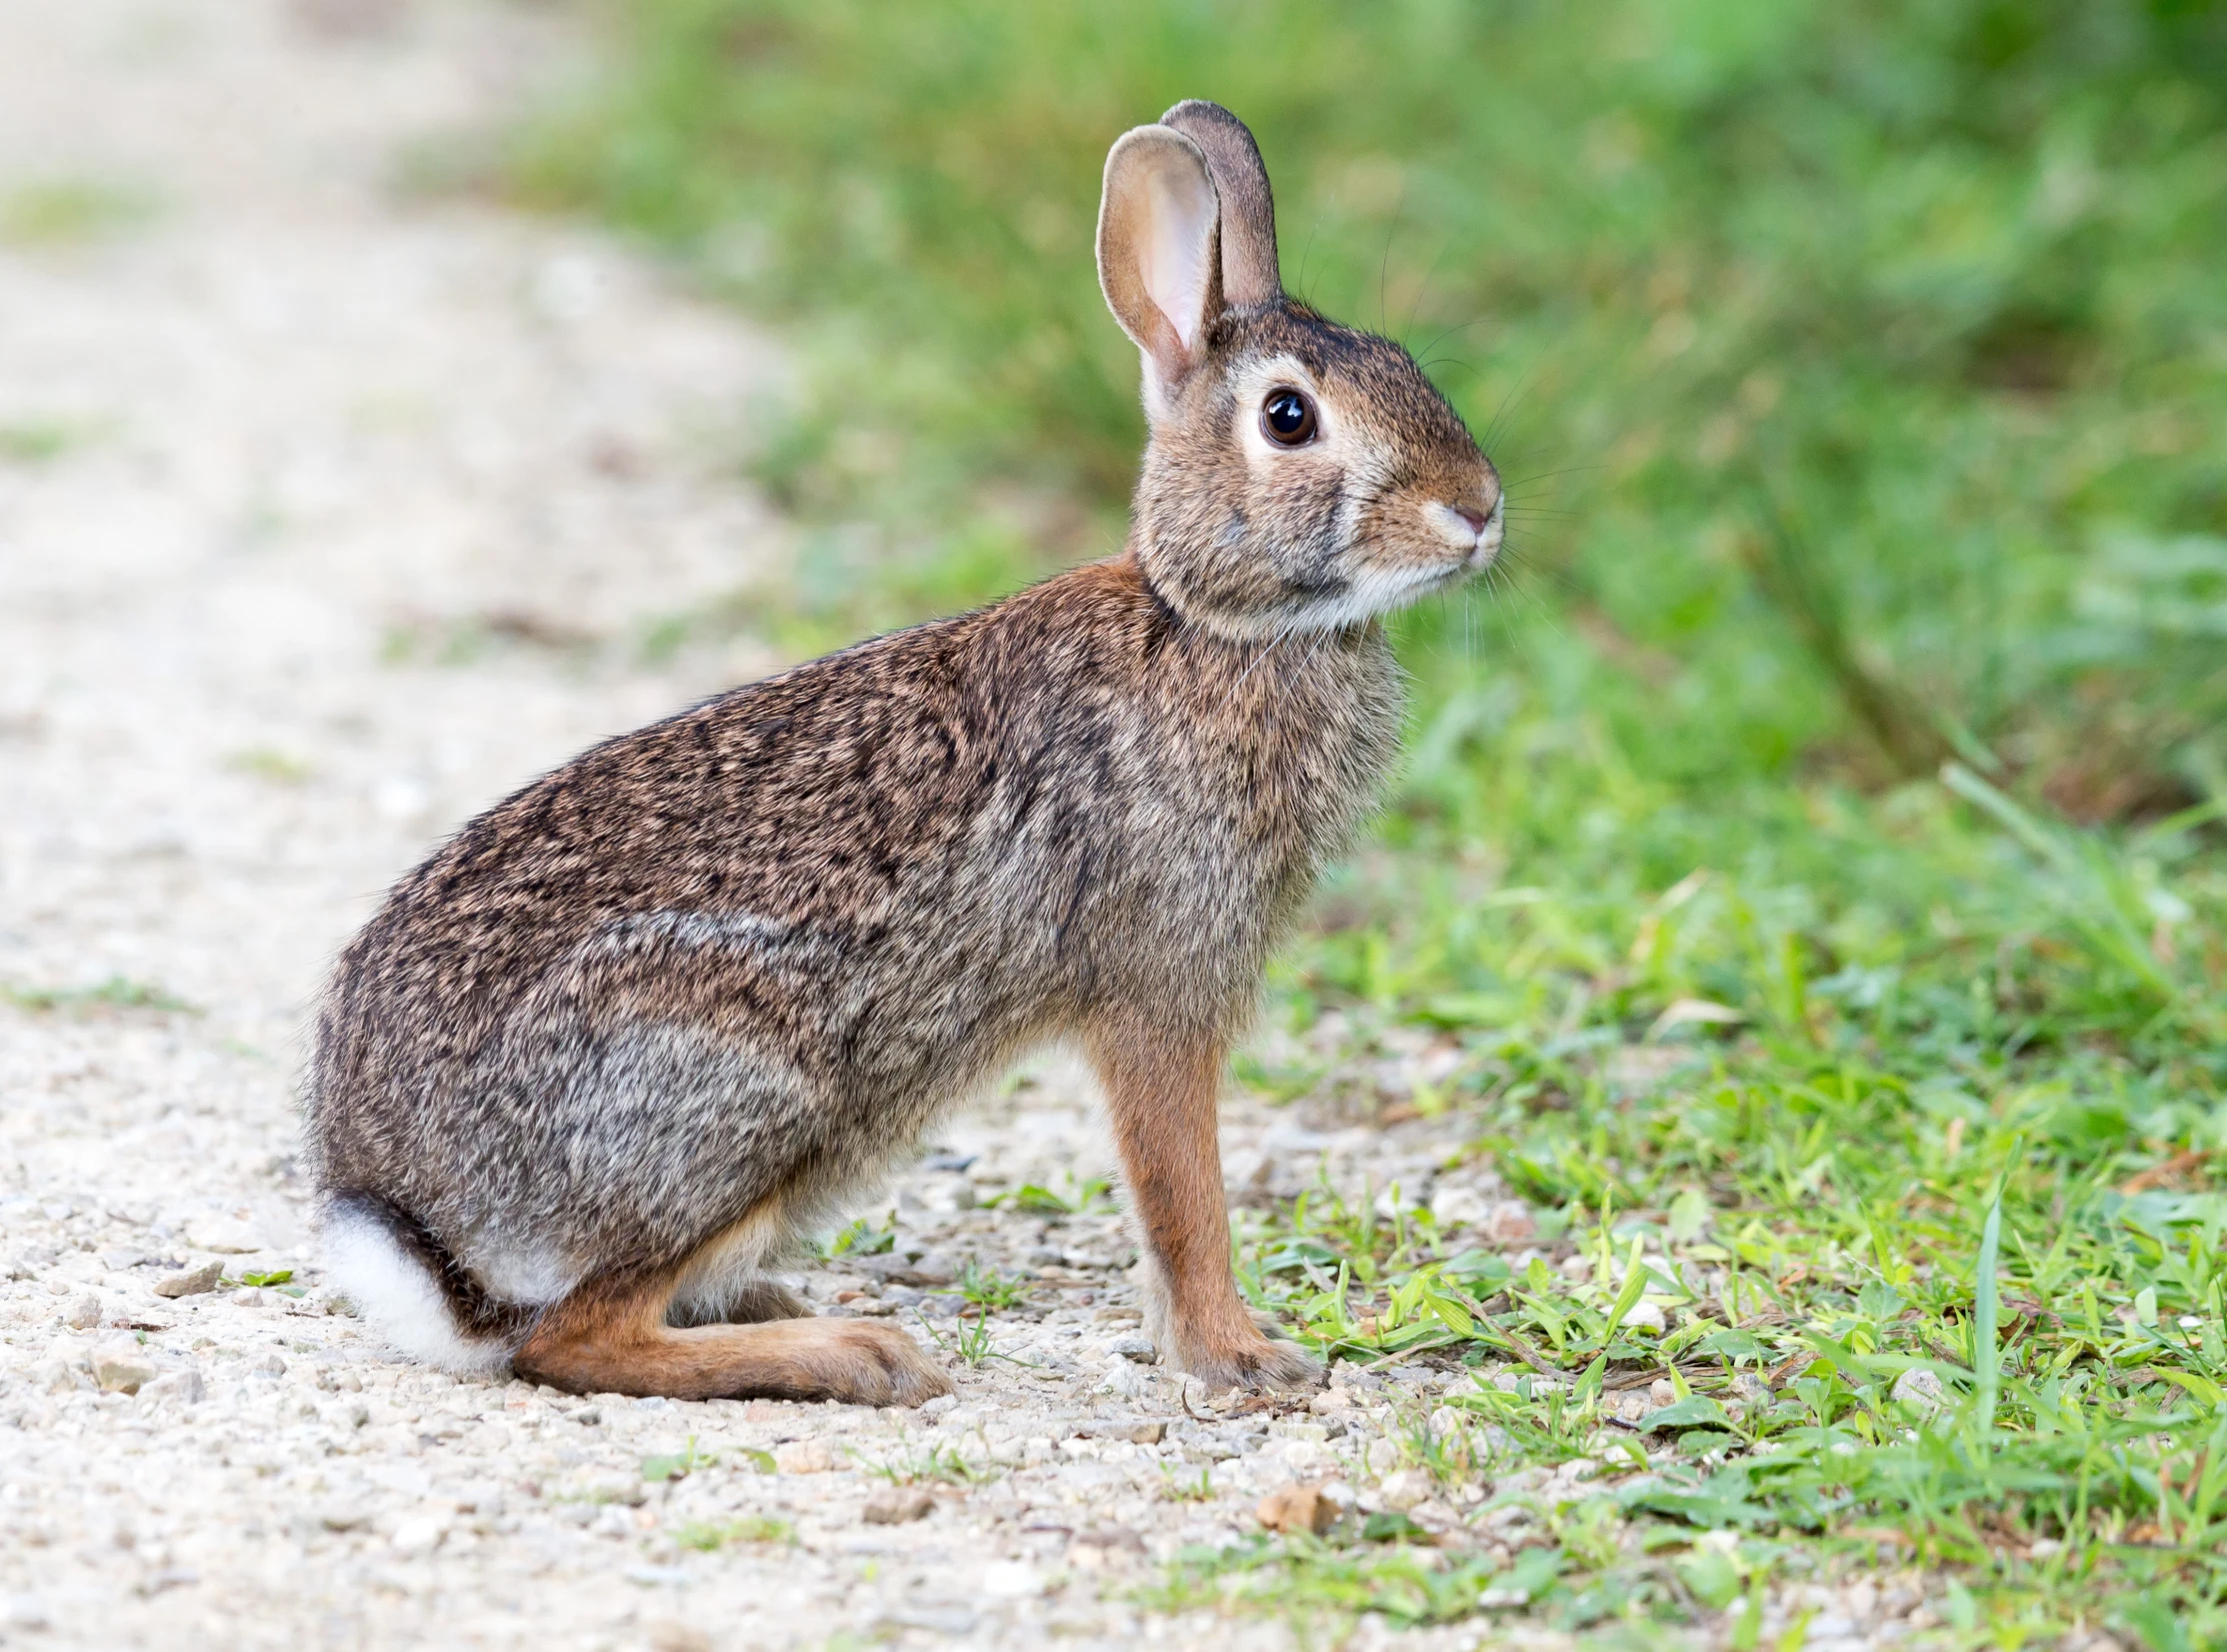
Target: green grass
{"type": "Point", "coordinates": [114, 994]}
{"type": "Point", "coordinates": [708, 1535]}
{"type": "Point", "coordinates": [991, 1290]}
{"type": "Point", "coordinates": [266, 762]}
{"type": "Point", "coordinates": [863, 1237]}
{"type": "Point", "coordinates": [678, 1466]}
{"type": "Point", "coordinates": [1078, 1197]}
{"type": "Point", "coordinates": [63, 212]}
{"type": "Point", "coordinates": [941, 1464]}
{"type": "Point", "coordinates": [38, 440]}
{"type": "Point", "coordinates": [1809, 856]}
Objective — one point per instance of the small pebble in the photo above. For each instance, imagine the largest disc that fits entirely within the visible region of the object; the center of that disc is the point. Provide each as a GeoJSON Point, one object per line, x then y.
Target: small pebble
{"type": "Point", "coordinates": [185, 1387]}
{"type": "Point", "coordinates": [1295, 1508]}
{"type": "Point", "coordinates": [1920, 1389]}
{"type": "Point", "coordinates": [122, 1367]}
{"type": "Point", "coordinates": [1011, 1579]}
{"type": "Point", "coordinates": [803, 1458]}
{"type": "Point", "coordinates": [895, 1505]}
{"type": "Point", "coordinates": [1509, 1222]}
{"type": "Point", "coordinates": [198, 1282]}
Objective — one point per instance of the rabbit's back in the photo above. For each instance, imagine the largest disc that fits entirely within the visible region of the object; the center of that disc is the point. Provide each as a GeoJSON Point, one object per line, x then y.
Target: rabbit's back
{"type": "Point", "coordinates": [748, 952]}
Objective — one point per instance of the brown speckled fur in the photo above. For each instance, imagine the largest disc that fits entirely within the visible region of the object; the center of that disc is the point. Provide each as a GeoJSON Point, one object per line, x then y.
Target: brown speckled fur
{"type": "Point", "coordinates": [628, 1032]}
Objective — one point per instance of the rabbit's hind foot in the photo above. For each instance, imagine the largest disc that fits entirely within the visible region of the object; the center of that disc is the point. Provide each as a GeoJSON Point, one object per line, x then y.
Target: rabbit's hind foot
{"type": "Point", "coordinates": [610, 1337]}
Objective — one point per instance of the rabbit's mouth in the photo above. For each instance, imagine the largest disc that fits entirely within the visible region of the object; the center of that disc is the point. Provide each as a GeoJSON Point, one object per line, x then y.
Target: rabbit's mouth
{"type": "Point", "coordinates": [1475, 535]}
{"type": "Point", "coordinates": [1382, 589]}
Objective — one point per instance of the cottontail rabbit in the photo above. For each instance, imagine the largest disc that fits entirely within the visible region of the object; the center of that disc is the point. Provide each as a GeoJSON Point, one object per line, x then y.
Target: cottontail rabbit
{"type": "Point", "coordinates": [636, 1029]}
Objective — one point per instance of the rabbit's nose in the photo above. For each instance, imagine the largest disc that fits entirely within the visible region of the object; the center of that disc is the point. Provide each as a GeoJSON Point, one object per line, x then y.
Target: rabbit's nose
{"type": "Point", "coordinates": [1475, 520]}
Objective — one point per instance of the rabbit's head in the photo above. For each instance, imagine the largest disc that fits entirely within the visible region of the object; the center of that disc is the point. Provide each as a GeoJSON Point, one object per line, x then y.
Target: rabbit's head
{"type": "Point", "coordinates": [1302, 476]}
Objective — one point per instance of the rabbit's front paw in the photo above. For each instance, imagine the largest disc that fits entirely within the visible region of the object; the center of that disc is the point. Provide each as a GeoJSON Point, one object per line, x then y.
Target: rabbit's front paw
{"type": "Point", "coordinates": [1253, 1362]}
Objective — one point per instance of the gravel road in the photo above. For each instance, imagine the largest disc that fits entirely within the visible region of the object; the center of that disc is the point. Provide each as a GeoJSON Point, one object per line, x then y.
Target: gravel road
{"type": "Point", "coordinates": [330, 511]}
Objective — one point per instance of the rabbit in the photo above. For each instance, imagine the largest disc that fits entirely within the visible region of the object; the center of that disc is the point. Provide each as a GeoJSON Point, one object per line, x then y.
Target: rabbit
{"type": "Point", "coordinates": [630, 1035]}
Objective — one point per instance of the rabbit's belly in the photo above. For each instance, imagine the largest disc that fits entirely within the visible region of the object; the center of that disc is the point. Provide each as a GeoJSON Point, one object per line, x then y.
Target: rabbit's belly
{"type": "Point", "coordinates": [635, 1140]}
{"type": "Point", "coordinates": [581, 1145]}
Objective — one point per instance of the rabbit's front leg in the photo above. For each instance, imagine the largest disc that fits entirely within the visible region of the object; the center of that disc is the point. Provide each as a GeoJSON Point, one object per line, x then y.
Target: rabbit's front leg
{"type": "Point", "coordinates": [1159, 1094]}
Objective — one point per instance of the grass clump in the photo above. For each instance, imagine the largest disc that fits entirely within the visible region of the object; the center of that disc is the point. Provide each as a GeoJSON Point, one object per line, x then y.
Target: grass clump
{"type": "Point", "coordinates": [1082, 1196]}
{"type": "Point", "coordinates": [39, 441]}
{"type": "Point", "coordinates": [265, 763]}
{"type": "Point", "coordinates": [63, 212]}
{"type": "Point", "coordinates": [107, 996]}
{"type": "Point", "coordinates": [862, 1236]}
{"type": "Point", "coordinates": [678, 1466]}
{"type": "Point", "coordinates": [990, 1290]}
{"type": "Point", "coordinates": [969, 1339]}
{"type": "Point", "coordinates": [708, 1535]}
{"type": "Point", "coordinates": [933, 1464]}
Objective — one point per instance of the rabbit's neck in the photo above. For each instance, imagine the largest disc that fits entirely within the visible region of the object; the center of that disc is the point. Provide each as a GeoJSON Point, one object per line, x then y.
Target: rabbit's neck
{"type": "Point", "coordinates": [1314, 719]}
{"type": "Point", "coordinates": [1293, 732]}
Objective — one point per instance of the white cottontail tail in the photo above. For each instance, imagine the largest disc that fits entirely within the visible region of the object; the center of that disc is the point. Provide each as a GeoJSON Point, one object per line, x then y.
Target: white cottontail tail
{"type": "Point", "coordinates": [634, 1030]}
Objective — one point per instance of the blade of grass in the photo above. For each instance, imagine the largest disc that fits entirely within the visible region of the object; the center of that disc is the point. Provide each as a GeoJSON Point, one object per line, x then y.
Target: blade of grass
{"type": "Point", "coordinates": [1635, 1286]}
{"type": "Point", "coordinates": [1986, 1306]}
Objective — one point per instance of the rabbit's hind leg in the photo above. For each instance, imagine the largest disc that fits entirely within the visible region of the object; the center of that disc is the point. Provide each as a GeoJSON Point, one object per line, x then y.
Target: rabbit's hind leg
{"type": "Point", "coordinates": [721, 1284]}
{"type": "Point", "coordinates": [610, 1336]}
{"type": "Point", "coordinates": [749, 1301]}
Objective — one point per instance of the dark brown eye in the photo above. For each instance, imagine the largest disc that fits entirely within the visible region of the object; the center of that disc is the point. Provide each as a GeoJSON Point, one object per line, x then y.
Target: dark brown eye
{"type": "Point", "coordinates": [1288, 417]}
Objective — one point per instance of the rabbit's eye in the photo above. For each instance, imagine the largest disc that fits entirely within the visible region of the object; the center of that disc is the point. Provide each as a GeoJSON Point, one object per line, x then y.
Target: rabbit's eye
{"type": "Point", "coordinates": [1288, 417]}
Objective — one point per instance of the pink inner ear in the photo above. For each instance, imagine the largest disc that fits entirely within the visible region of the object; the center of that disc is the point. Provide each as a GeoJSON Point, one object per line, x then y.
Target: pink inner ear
{"type": "Point", "coordinates": [1177, 245]}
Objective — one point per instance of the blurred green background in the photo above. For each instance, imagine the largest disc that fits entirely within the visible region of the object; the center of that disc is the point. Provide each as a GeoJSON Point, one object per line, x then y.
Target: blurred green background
{"type": "Point", "coordinates": [1861, 369]}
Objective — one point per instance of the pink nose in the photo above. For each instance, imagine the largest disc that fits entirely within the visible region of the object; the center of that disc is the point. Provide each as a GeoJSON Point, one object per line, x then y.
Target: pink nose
{"type": "Point", "coordinates": [1475, 519]}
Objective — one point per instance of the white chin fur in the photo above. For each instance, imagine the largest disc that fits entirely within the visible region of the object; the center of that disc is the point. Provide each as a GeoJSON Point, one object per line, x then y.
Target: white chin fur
{"type": "Point", "coordinates": [400, 1299]}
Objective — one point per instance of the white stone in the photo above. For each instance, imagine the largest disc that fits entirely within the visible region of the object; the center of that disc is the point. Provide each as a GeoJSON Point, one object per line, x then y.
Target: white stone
{"type": "Point", "coordinates": [180, 1388]}
{"type": "Point", "coordinates": [421, 1533]}
{"type": "Point", "coordinates": [1011, 1579]}
{"type": "Point", "coordinates": [1127, 1380]}
{"type": "Point", "coordinates": [804, 1457]}
{"type": "Point", "coordinates": [1921, 1390]}
{"type": "Point", "coordinates": [1645, 1316]}
{"type": "Point", "coordinates": [1458, 1203]}
{"type": "Point", "coordinates": [226, 1235]}
{"type": "Point", "coordinates": [1404, 1488]}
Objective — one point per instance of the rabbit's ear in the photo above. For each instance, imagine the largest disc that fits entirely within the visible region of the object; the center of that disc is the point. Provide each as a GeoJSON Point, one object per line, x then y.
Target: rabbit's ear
{"type": "Point", "coordinates": [1158, 249]}
{"type": "Point", "coordinates": [1248, 267]}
